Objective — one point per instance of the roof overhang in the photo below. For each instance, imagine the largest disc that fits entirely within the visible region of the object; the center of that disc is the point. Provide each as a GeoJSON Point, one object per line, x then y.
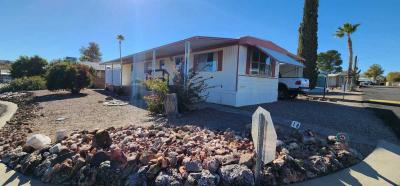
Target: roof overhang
{"type": "Point", "coordinates": [198, 43]}
{"type": "Point", "coordinates": [280, 57]}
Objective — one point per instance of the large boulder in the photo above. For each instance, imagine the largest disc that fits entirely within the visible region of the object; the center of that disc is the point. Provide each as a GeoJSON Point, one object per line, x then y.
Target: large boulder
{"type": "Point", "coordinates": [102, 139]}
{"type": "Point", "coordinates": [38, 141]}
{"type": "Point", "coordinates": [236, 175]}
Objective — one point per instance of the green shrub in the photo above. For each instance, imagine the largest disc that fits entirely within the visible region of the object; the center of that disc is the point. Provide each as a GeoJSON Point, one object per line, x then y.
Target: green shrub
{"type": "Point", "coordinates": [25, 84]}
{"type": "Point", "coordinates": [26, 66]}
{"type": "Point", "coordinates": [155, 101]}
{"type": "Point", "coordinates": [69, 76]}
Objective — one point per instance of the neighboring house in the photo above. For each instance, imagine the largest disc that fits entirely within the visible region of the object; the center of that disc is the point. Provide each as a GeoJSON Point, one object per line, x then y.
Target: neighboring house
{"type": "Point", "coordinates": [245, 71]}
{"type": "Point", "coordinates": [337, 80]}
{"type": "Point", "coordinates": [5, 76]}
{"type": "Point", "coordinates": [99, 79]}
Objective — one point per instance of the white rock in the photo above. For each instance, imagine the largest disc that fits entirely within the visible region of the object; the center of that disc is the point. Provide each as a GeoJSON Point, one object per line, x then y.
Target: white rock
{"type": "Point", "coordinates": [61, 134]}
{"type": "Point", "coordinates": [38, 141]}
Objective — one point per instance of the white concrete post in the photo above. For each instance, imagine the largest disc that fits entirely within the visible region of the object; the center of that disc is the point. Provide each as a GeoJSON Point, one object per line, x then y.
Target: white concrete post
{"type": "Point", "coordinates": [187, 62]}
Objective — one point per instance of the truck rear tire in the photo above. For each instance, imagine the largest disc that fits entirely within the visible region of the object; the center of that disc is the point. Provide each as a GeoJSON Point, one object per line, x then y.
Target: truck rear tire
{"type": "Point", "coordinates": [283, 92]}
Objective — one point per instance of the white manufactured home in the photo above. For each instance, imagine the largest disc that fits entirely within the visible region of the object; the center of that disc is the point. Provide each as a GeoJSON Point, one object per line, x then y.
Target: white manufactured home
{"type": "Point", "coordinates": [245, 71]}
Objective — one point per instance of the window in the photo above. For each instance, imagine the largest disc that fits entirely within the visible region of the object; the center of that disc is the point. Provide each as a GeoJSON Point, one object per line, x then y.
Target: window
{"type": "Point", "coordinates": [178, 62]}
{"type": "Point", "coordinates": [147, 67]}
{"type": "Point", "coordinates": [162, 64]}
{"type": "Point", "coordinates": [206, 62]}
{"type": "Point", "coordinates": [260, 64]}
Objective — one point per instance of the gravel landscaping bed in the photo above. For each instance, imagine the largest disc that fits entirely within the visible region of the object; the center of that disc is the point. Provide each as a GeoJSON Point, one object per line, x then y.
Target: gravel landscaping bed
{"type": "Point", "coordinates": [162, 154]}
{"type": "Point", "coordinates": [85, 111]}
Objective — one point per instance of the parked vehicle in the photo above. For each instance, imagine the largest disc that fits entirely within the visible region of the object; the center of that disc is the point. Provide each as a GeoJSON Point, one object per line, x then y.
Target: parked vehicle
{"type": "Point", "coordinates": [291, 87]}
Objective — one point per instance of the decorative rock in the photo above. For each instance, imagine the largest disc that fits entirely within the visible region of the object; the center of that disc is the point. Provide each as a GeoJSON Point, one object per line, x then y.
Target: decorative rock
{"type": "Point", "coordinates": [29, 163]}
{"type": "Point", "coordinates": [208, 178]}
{"type": "Point", "coordinates": [164, 179]}
{"type": "Point", "coordinates": [28, 149]}
{"type": "Point", "coordinates": [61, 134]}
{"type": "Point", "coordinates": [331, 139]}
{"type": "Point", "coordinates": [107, 174]}
{"type": "Point", "coordinates": [55, 148]}
{"type": "Point", "coordinates": [236, 175]}
{"type": "Point", "coordinates": [193, 165]}
{"type": "Point", "coordinates": [212, 164]}
{"type": "Point", "coordinates": [279, 143]}
{"type": "Point", "coordinates": [247, 159]}
{"type": "Point", "coordinates": [102, 139]}
{"type": "Point", "coordinates": [153, 171]}
{"type": "Point", "coordinates": [138, 178]}
{"type": "Point", "coordinates": [38, 141]}
{"type": "Point", "coordinates": [98, 158]}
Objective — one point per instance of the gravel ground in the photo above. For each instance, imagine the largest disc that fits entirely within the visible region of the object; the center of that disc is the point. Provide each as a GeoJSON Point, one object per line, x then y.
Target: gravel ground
{"type": "Point", "coordinates": [363, 127]}
{"type": "Point", "coordinates": [85, 111]}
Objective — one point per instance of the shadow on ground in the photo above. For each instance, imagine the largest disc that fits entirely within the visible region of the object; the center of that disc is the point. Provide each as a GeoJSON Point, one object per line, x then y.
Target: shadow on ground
{"type": "Point", "coordinates": [56, 96]}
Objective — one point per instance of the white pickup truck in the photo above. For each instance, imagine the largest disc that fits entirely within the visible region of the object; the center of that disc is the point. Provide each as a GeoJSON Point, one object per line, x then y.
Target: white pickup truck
{"type": "Point", "coordinates": [290, 87]}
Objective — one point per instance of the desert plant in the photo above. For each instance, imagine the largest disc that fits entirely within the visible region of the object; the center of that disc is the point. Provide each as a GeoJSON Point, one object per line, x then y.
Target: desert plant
{"type": "Point", "coordinates": [25, 84]}
{"type": "Point", "coordinates": [193, 92]}
{"type": "Point", "coordinates": [68, 76]}
{"type": "Point", "coordinates": [26, 66]}
{"type": "Point", "coordinates": [155, 101]}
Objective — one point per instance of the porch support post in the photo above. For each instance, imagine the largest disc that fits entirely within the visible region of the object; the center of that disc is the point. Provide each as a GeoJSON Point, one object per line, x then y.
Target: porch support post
{"type": "Point", "coordinates": [187, 62]}
{"type": "Point", "coordinates": [153, 63]}
{"type": "Point", "coordinates": [112, 74]}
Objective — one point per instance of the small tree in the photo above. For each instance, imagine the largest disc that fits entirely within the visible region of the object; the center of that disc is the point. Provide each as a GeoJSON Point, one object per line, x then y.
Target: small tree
{"type": "Point", "coordinates": [393, 77]}
{"type": "Point", "coordinates": [68, 76]}
{"type": "Point", "coordinates": [374, 71]}
{"type": "Point", "coordinates": [330, 61]}
{"type": "Point", "coordinates": [91, 53]}
{"type": "Point", "coordinates": [26, 66]}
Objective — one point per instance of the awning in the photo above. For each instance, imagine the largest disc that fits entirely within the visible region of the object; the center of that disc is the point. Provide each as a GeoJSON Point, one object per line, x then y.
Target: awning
{"type": "Point", "coordinates": [282, 58]}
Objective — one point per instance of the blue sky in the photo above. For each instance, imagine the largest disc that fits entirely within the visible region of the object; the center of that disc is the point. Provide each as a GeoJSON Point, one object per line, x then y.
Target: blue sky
{"type": "Point", "coordinates": [58, 28]}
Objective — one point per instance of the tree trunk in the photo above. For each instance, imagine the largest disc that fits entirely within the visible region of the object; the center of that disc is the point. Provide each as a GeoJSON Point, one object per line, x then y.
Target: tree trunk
{"type": "Point", "coordinates": [350, 69]}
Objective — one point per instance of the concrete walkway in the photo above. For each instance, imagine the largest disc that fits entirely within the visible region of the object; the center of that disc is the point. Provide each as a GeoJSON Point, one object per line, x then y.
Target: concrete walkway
{"type": "Point", "coordinates": [381, 167]}
{"type": "Point", "coordinates": [11, 108]}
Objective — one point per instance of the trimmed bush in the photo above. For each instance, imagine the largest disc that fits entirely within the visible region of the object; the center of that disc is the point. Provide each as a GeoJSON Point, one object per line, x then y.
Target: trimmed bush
{"type": "Point", "coordinates": [69, 76]}
{"type": "Point", "coordinates": [26, 66]}
{"type": "Point", "coordinates": [25, 84]}
{"type": "Point", "coordinates": [155, 101]}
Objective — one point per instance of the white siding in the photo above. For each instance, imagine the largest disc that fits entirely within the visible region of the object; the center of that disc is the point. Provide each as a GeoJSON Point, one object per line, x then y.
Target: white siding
{"type": "Point", "coordinates": [224, 82]}
{"type": "Point", "coordinates": [256, 90]}
{"type": "Point", "coordinates": [116, 75]}
{"type": "Point", "coordinates": [126, 74]}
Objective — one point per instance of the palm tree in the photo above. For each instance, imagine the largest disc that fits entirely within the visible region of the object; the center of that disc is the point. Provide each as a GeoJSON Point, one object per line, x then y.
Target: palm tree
{"type": "Point", "coordinates": [348, 29]}
{"type": "Point", "coordinates": [120, 38]}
